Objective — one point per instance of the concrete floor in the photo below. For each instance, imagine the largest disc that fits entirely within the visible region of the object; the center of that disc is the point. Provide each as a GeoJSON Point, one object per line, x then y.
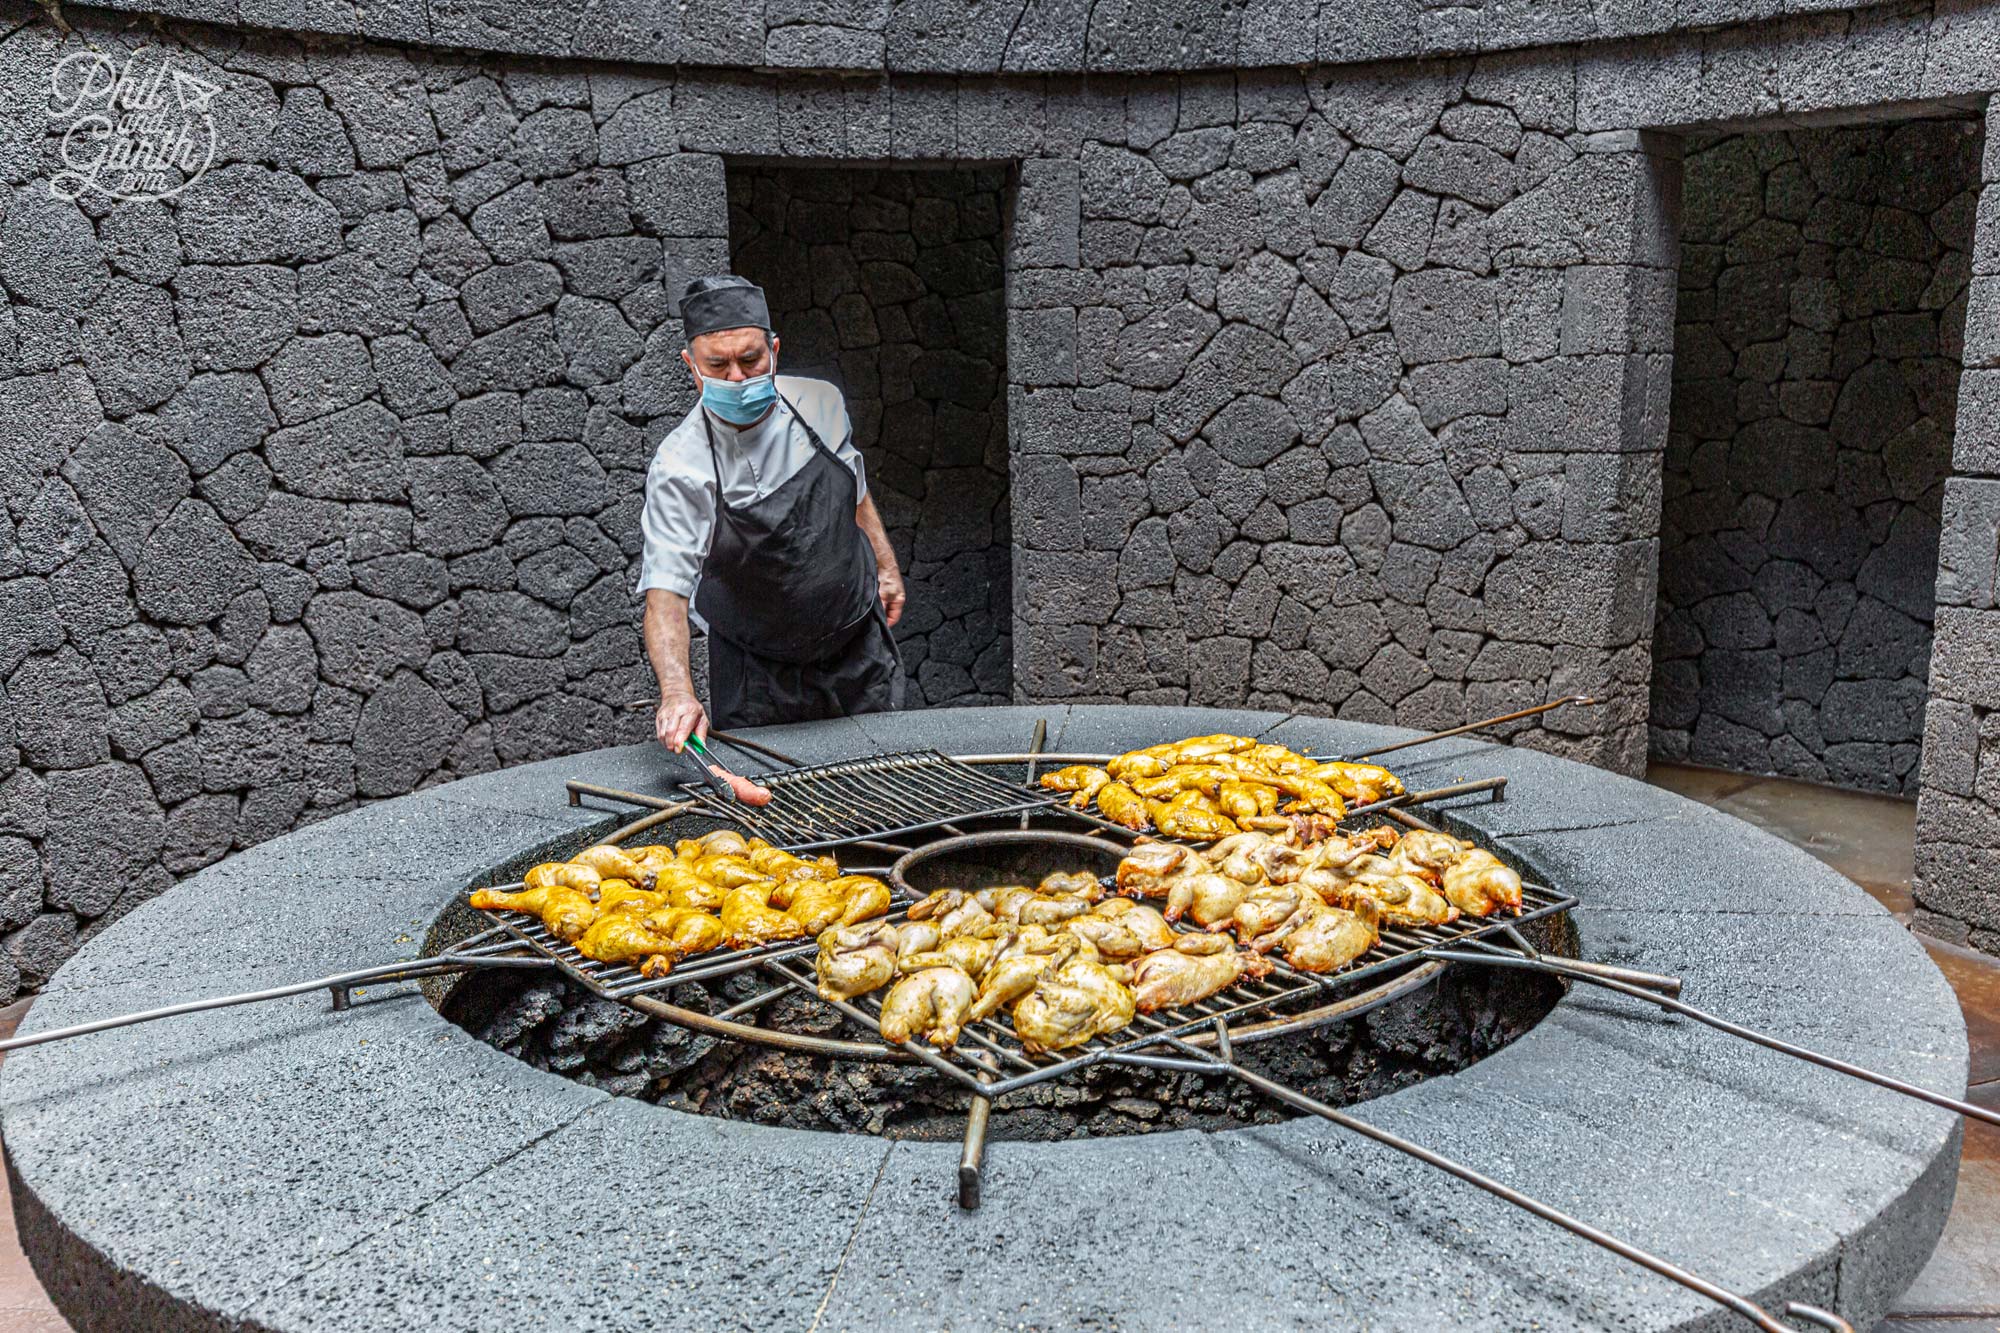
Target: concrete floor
{"type": "Point", "coordinates": [1867, 838]}
{"type": "Point", "coordinates": [1870, 839]}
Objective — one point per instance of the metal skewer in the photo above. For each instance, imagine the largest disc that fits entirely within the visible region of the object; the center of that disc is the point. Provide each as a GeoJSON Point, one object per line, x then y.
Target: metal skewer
{"type": "Point", "coordinates": [1221, 1062]}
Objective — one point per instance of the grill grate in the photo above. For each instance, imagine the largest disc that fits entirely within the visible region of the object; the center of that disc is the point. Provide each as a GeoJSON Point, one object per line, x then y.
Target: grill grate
{"type": "Point", "coordinates": [830, 804]}
{"type": "Point", "coordinates": [618, 982]}
{"type": "Point", "coordinates": [990, 1047]}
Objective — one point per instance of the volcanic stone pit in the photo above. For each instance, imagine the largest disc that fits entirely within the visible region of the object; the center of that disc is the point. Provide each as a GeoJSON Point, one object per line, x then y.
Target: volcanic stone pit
{"type": "Point", "coordinates": [554, 1024]}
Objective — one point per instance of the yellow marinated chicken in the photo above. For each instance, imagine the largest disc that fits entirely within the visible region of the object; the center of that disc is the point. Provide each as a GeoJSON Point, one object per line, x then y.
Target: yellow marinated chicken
{"type": "Point", "coordinates": [566, 912]}
{"type": "Point", "coordinates": [932, 1002]}
{"type": "Point", "coordinates": [684, 888]}
{"type": "Point", "coordinates": [820, 903]}
{"type": "Point", "coordinates": [722, 842]}
{"type": "Point", "coordinates": [1203, 778]}
{"type": "Point", "coordinates": [692, 932]}
{"type": "Point", "coordinates": [1082, 780]}
{"type": "Point", "coordinates": [1070, 1005]}
{"type": "Point", "coordinates": [617, 892]}
{"type": "Point", "coordinates": [581, 878]}
{"type": "Point", "coordinates": [748, 919]}
{"type": "Point", "coordinates": [611, 863]}
{"type": "Point", "coordinates": [1363, 784]}
{"type": "Point", "coordinates": [854, 960]}
{"type": "Point", "coordinates": [729, 870]}
{"type": "Point", "coordinates": [1479, 884]}
{"type": "Point", "coordinates": [1276, 758]}
{"type": "Point", "coordinates": [783, 865]}
{"type": "Point", "coordinates": [1135, 765]}
{"type": "Point", "coordinates": [624, 936]}
{"type": "Point", "coordinates": [1329, 938]}
{"type": "Point", "coordinates": [1241, 800]}
{"type": "Point", "coordinates": [1194, 819]}
{"type": "Point", "coordinates": [1123, 806]}
{"type": "Point", "coordinates": [1195, 968]}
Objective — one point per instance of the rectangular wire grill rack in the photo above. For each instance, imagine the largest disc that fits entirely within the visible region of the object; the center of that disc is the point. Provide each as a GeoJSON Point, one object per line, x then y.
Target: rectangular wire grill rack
{"type": "Point", "coordinates": [883, 797]}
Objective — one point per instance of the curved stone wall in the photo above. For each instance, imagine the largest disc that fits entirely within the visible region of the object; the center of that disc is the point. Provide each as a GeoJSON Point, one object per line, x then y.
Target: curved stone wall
{"type": "Point", "coordinates": [1335, 390]}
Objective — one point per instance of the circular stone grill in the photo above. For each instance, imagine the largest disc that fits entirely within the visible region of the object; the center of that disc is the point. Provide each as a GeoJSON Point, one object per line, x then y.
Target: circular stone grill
{"type": "Point", "coordinates": [450, 1183]}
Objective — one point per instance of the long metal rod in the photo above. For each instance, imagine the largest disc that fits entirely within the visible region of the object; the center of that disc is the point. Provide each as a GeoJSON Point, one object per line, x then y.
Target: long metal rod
{"type": "Point", "coordinates": [1035, 745]}
{"type": "Point", "coordinates": [338, 982]}
{"type": "Point", "coordinates": [972, 1154]}
{"type": "Point", "coordinates": [618, 835]}
{"type": "Point", "coordinates": [578, 790]}
{"type": "Point", "coordinates": [1685, 1010]}
{"type": "Point", "coordinates": [756, 747]}
{"type": "Point", "coordinates": [1299, 1101]}
{"type": "Point", "coordinates": [1580, 700]}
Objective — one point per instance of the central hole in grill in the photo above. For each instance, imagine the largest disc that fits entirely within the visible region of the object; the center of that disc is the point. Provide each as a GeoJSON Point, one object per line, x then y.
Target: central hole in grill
{"type": "Point", "coordinates": [553, 1023]}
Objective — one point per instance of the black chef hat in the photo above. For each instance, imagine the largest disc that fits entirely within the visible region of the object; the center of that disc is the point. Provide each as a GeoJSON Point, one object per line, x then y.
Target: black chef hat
{"type": "Point", "coordinates": [710, 305]}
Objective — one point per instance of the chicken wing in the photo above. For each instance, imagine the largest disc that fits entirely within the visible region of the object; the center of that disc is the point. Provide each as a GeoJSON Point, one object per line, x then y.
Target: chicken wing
{"type": "Point", "coordinates": [933, 1002]}
{"type": "Point", "coordinates": [854, 960]}
{"type": "Point", "coordinates": [1070, 1005]}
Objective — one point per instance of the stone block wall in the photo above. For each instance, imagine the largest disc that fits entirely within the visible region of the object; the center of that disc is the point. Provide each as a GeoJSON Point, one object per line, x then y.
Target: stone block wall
{"type": "Point", "coordinates": [1821, 319]}
{"type": "Point", "coordinates": [889, 284]}
{"type": "Point", "coordinates": [1958, 812]}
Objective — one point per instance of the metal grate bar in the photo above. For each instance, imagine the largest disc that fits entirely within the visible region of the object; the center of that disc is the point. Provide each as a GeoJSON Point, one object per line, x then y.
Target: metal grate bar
{"type": "Point", "coordinates": [831, 804]}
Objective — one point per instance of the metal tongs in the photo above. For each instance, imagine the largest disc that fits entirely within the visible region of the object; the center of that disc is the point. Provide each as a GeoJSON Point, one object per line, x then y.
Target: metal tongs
{"type": "Point", "coordinates": [704, 766]}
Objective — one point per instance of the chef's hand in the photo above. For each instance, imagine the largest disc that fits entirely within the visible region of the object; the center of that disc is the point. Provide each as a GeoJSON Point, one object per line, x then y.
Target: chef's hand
{"type": "Point", "coordinates": [678, 715]}
{"type": "Point", "coordinates": [890, 584]}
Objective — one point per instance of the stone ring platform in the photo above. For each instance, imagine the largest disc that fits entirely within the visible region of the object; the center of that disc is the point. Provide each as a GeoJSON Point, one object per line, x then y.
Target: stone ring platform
{"type": "Point", "coordinates": [285, 1167]}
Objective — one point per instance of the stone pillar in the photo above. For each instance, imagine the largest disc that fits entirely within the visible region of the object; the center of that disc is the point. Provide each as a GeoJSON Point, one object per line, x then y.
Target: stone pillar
{"type": "Point", "coordinates": [1958, 812]}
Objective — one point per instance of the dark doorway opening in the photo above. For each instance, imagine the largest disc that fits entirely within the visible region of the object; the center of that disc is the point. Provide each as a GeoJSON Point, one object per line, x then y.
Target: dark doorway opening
{"type": "Point", "coordinates": [889, 282]}
{"type": "Point", "coordinates": [1816, 368]}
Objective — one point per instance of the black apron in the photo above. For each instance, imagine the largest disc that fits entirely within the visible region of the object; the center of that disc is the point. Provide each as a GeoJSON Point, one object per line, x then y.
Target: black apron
{"type": "Point", "coordinates": [789, 589]}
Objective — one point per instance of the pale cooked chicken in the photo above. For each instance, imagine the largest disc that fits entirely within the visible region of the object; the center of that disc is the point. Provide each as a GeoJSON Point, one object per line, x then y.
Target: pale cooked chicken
{"type": "Point", "coordinates": [1211, 900]}
{"type": "Point", "coordinates": [932, 1002]}
{"type": "Point", "coordinates": [1122, 929]}
{"type": "Point", "coordinates": [1329, 938]}
{"type": "Point", "coordinates": [1402, 897]}
{"type": "Point", "coordinates": [1019, 965]}
{"type": "Point", "coordinates": [1269, 910]}
{"type": "Point", "coordinates": [917, 937]}
{"type": "Point", "coordinates": [1479, 884]}
{"type": "Point", "coordinates": [955, 911]}
{"type": "Point", "coordinates": [854, 960]}
{"type": "Point", "coordinates": [970, 954]}
{"type": "Point", "coordinates": [1071, 1004]}
{"type": "Point", "coordinates": [1194, 969]}
{"type": "Point", "coordinates": [1073, 883]}
{"type": "Point", "coordinates": [1148, 866]}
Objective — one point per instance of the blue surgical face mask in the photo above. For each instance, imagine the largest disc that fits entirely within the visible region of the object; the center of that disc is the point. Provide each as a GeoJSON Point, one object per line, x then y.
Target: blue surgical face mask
{"type": "Point", "coordinates": [740, 402]}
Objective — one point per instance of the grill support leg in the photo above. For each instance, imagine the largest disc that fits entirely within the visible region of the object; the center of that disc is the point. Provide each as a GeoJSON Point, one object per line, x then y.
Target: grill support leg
{"type": "Point", "coordinates": [1297, 1100]}
{"type": "Point", "coordinates": [972, 1157]}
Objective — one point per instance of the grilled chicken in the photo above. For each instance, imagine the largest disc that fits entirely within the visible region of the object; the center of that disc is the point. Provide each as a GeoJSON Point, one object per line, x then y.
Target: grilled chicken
{"type": "Point", "coordinates": [611, 863]}
{"type": "Point", "coordinates": [1122, 929]}
{"type": "Point", "coordinates": [722, 842]}
{"type": "Point", "coordinates": [1241, 800]}
{"type": "Point", "coordinates": [1081, 779]}
{"type": "Point", "coordinates": [1121, 805]}
{"type": "Point", "coordinates": [1428, 850]}
{"type": "Point", "coordinates": [1149, 865]}
{"type": "Point", "coordinates": [1018, 967]}
{"type": "Point", "coordinates": [970, 954]}
{"type": "Point", "coordinates": [691, 931]}
{"type": "Point", "coordinates": [748, 919]}
{"type": "Point", "coordinates": [778, 864]}
{"type": "Point", "coordinates": [1403, 898]}
{"type": "Point", "coordinates": [854, 960]}
{"type": "Point", "coordinates": [916, 937]}
{"type": "Point", "coordinates": [1212, 900]}
{"type": "Point", "coordinates": [1363, 784]}
{"type": "Point", "coordinates": [1135, 765]}
{"type": "Point", "coordinates": [1074, 883]}
{"type": "Point", "coordinates": [820, 903]}
{"type": "Point", "coordinates": [1070, 1004]}
{"type": "Point", "coordinates": [566, 912]}
{"type": "Point", "coordinates": [1329, 938]}
{"type": "Point", "coordinates": [616, 892]}
{"type": "Point", "coordinates": [684, 888]}
{"type": "Point", "coordinates": [1206, 779]}
{"type": "Point", "coordinates": [1478, 884]}
{"type": "Point", "coordinates": [1169, 978]}
{"type": "Point", "coordinates": [583, 879]}
{"type": "Point", "coordinates": [730, 871]}
{"type": "Point", "coordinates": [623, 936]}
{"type": "Point", "coordinates": [1268, 910]}
{"type": "Point", "coordinates": [1194, 819]}
{"type": "Point", "coordinates": [932, 1002]}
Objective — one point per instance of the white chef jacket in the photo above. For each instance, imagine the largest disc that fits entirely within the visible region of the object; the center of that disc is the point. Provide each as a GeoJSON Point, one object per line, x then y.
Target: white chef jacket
{"type": "Point", "coordinates": [679, 518]}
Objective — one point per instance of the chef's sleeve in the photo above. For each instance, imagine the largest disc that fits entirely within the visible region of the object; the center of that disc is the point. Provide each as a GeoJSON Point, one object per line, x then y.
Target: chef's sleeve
{"type": "Point", "coordinates": [677, 523]}
{"type": "Point", "coordinates": [840, 433]}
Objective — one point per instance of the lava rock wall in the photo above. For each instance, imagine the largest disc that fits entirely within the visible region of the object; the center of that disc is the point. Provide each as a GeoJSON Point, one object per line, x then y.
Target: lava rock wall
{"type": "Point", "coordinates": [1816, 368]}
{"type": "Point", "coordinates": [889, 284]}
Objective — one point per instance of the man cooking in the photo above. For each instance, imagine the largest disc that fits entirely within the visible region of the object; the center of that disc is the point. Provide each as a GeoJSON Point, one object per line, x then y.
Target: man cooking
{"type": "Point", "coordinates": [758, 514]}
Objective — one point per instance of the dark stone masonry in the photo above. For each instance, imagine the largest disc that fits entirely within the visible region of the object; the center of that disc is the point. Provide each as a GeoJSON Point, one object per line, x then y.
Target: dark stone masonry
{"type": "Point", "coordinates": [888, 283]}
{"type": "Point", "coordinates": [1336, 376]}
{"type": "Point", "coordinates": [1816, 364]}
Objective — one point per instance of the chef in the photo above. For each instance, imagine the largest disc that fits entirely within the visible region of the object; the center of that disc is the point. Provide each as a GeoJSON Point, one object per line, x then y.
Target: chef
{"type": "Point", "coordinates": [758, 517]}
